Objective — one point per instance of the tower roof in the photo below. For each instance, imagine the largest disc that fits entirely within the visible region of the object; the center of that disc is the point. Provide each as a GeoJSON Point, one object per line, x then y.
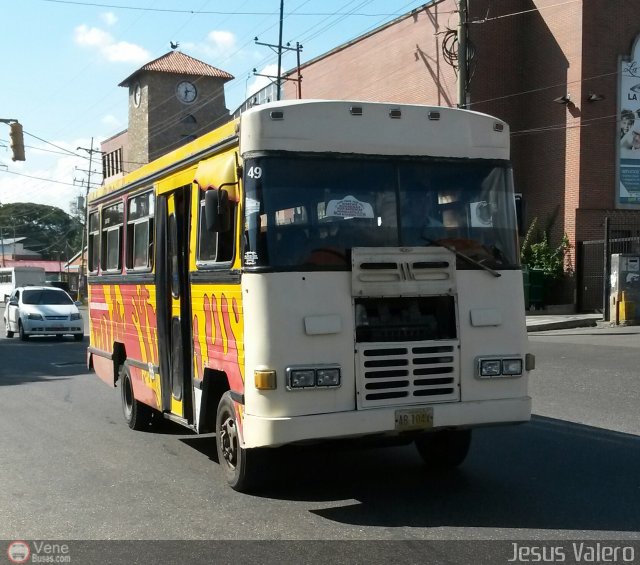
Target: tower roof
{"type": "Point", "coordinates": [176, 62]}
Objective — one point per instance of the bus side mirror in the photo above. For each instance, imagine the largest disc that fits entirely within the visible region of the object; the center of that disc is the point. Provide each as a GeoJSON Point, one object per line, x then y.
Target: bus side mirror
{"type": "Point", "coordinates": [217, 211]}
{"type": "Point", "coordinates": [520, 219]}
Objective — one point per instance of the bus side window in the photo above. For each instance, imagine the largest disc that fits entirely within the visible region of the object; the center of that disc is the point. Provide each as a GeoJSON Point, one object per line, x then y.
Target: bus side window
{"type": "Point", "coordinates": [112, 222]}
{"type": "Point", "coordinates": [94, 242]}
{"type": "Point", "coordinates": [140, 213]}
{"type": "Point", "coordinates": [215, 247]}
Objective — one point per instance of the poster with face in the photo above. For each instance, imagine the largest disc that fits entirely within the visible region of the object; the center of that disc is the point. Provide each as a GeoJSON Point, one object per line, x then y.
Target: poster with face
{"type": "Point", "coordinates": [629, 129]}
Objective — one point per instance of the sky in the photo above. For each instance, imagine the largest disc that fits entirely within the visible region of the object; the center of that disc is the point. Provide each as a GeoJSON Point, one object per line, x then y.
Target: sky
{"type": "Point", "coordinates": [62, 62]}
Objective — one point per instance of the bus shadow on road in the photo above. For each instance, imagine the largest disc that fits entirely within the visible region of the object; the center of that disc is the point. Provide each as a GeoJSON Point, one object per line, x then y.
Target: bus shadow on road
{"type": "Point", "coordinates": [548, 474]}
{"type": "Point", "coordinates": [41, 359]}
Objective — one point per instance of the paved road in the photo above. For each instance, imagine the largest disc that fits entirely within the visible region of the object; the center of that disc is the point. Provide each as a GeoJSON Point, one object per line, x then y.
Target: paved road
{"type": "Point", "coordinates": [73, 470]}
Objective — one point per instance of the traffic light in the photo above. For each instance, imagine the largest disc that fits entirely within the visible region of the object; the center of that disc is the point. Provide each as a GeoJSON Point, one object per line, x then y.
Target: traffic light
{"type": "Point", "coordinates": [17, 141]}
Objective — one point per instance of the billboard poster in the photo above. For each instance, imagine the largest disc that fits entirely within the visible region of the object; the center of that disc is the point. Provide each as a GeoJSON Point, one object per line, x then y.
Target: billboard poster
{"type": "Point", "coordinates": [629, 129]}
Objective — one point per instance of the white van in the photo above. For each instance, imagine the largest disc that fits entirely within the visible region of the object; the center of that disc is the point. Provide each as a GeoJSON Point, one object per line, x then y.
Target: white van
{"type": "Point", "coordinates": [12, 277]}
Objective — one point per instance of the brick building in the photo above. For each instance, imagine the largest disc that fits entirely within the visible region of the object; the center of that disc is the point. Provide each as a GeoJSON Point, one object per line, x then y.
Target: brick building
{"type": "Point", "coordinates": [551, 70]}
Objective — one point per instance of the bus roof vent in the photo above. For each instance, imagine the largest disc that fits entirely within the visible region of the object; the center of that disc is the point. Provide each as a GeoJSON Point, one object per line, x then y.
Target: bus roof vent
{"type": "Point", "coordinates": [355, 110]}
{"type": "Point", "coordinates": [498, 127]}
{"type": "Point", "coordinates": [434, 115]}
{"type": "Point", "coordinates": [277, 115]}
{"type": "Point", "coordinates": [395, 113]}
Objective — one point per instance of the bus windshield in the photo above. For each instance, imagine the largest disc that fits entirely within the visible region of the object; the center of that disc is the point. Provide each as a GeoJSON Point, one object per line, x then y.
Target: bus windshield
{"type": "Point", "coordinates": [308, 212]}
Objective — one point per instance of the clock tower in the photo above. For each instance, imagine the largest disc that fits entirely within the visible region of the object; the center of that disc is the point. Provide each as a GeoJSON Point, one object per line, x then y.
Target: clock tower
{"type": "Point", "coordinates": [172, 100]}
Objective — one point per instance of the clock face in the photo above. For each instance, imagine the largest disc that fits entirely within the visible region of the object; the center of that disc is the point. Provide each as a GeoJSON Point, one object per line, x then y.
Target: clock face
{"type": "Point", "coordinates": [137, 94]}
{"type": "Point", "coordinates": [186, 91]}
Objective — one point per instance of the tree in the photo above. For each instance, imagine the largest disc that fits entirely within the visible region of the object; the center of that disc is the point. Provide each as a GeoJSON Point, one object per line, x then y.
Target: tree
{"type": "Point", "coordinates": [49, 230]}
{"type": "Point", "coordinates": [537, 252]}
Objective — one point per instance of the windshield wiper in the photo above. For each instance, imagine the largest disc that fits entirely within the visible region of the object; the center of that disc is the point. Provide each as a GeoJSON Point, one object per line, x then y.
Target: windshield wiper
{"type": "Point", "coordinates": [462, 256]}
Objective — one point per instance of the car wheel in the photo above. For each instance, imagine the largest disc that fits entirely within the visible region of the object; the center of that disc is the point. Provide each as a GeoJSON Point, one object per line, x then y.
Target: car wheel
{"type": "Point", "coordinates": [240, 465]}
{"type": "Point", "coordinates": [137, 415]}
{"type": "Point", "coordinates": [7, 331]}
{"type": "Point", "coordinates": [445, 449]}
{"type": "Point", "coordinates": [78, 337]}
{"type": "Point", "coordinates": [23, 336]}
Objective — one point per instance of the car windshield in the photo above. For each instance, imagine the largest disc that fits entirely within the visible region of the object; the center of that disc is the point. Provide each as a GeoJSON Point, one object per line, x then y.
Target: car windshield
{"type": "Point", "coordinates": [46, 296]}
{"type": "Point", "coordinates": [308, 211]}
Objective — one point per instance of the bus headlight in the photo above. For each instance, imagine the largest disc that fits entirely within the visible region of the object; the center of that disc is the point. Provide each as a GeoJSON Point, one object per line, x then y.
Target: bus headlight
{"type": "Point", "coordinates": [301, 378]}
{"type": "Point", "coordinates": [313, 377]}
{"type": "Point", "coordinates": [328, 377]}
{"type": "Point", "coordinates": [511, 367]}
{"type": "Point", "coordinates": [490, 367]}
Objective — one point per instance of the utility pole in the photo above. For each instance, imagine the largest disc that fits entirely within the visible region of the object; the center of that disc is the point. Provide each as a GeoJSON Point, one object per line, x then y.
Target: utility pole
{"type": "Point", "coordinates": [279, 78]}
{"type": "Point", "coordinates": [463, 63]}
{"type": "Point", "coordinates": [279, 81]}
{"type": "Point", "coordinates": [81, 272]}
{"type": "Point", "coordinates": [279, 48]}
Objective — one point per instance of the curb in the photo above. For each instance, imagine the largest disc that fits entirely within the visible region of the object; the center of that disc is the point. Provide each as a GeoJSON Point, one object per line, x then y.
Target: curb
{"type": "Point", "coordinates": [563, 325]}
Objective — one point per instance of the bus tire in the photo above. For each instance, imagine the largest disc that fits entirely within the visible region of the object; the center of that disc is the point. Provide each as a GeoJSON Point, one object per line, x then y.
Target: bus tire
{"type": "Point", "coordinates": [444, 449]}
{"type": "Point", "coordinates": [238, 464]}
{"type": "Point", "coordinates": [136, 414]}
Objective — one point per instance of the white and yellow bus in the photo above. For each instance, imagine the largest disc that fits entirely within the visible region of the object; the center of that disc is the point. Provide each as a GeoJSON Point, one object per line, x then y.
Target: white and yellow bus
{"type": "Point", "coordinates": [316, 270]}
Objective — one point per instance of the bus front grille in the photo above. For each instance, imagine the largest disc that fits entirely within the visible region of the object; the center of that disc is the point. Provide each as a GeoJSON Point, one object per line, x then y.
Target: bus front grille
{"type": "Point", "coordinates": [402, 373]}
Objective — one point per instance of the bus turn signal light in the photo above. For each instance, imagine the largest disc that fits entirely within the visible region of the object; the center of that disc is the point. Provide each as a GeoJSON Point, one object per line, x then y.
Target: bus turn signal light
{"type": "Point", "coordinates": [265, 380]}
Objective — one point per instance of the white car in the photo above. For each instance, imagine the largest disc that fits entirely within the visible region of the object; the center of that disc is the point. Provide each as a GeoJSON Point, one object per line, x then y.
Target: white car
{"type": "Point", "coordinates": [42, 310]}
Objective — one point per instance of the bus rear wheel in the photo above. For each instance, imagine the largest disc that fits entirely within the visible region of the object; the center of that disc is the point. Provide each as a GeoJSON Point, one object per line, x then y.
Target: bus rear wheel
{"type": "Point", "coordinates": [239, 464]}
{"type": "Point", "coordinates": [136, 414]}
{"type": "Point", "coordinates": [444, 449]}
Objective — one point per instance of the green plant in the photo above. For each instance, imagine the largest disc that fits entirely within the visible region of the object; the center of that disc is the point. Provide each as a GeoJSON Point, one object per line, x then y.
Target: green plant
{"type": "Point", "coordinates": [537, 252]}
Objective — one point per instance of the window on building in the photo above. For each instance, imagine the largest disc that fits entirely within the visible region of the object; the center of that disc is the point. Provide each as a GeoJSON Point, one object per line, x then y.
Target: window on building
{"type": "Point", "coordinates": [112, 163]}
{"type": "Point", "coordinates": [215, 247]}
{"type": "Point", "coordinates": [112, 224]}
{"type": "Point", "coordinates": [140, 213]}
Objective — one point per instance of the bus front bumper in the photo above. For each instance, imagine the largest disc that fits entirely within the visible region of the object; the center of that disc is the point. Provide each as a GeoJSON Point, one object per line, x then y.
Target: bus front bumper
{"type": "Point", "coordinates": [274, 432]}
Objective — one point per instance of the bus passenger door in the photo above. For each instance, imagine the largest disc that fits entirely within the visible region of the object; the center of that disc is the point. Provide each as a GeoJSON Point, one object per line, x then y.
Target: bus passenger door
{"type": "Point", "coordinates": [174, 328]}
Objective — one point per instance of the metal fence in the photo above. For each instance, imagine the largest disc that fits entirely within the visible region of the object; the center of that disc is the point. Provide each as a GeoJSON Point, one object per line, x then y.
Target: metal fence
{"type": "Point", "coordinates": [593, 262]}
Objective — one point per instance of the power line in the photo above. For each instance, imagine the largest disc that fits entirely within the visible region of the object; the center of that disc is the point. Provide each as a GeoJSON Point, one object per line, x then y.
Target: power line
{"type": "Point", "coordinates": [36, 178]}
{"type": "Point", "coordinates": [484, 20]}
{"type": "Point", "coordinates": [542, 88]}
{"type": "Point", "coordinates": [208, 12]}
{"type": "Point", "coordinates": [54, 145]}
{"type": "Point", "coordinates": [35, 148]}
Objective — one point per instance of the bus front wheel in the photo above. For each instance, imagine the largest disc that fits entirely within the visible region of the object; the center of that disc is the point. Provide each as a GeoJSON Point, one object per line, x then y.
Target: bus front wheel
{"type": "Point", "coordinates": [239, 464]}
{"type": "Point", "coordinates": [136, 414]}
{"type": "Point", "coordinates": [445, 449]}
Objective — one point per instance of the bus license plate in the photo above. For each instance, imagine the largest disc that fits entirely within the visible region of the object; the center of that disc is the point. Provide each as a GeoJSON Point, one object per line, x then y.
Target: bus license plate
{"type": "Point", "coordinates": [414, 419]}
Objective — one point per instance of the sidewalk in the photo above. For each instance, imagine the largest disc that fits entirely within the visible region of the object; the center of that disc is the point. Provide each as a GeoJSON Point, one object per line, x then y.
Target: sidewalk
{"type": "Point", "coordinates": [541, 322]}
